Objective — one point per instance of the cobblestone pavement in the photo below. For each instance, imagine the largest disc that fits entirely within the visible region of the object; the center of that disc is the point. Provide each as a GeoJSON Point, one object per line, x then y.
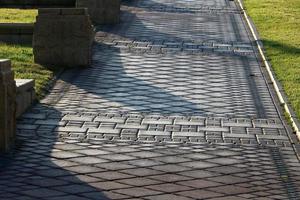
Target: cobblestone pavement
{"type": "Point", "coordinates": [175, 106]}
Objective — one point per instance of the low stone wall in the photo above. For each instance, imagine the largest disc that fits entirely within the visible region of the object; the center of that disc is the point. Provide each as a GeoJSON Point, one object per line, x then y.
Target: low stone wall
{"type": "Point", "coordinates": [7, 106]}
{"type": "Point", "coordinates": [25, 95]}
{"type": "Point", "coordinates": [16, 33]}
{"type": "Point", "coordinates": [63, 37]}
{"type": "Point", "coordinates": [37, 3]}
{"type": "Point", "coordinates": [102, 11]}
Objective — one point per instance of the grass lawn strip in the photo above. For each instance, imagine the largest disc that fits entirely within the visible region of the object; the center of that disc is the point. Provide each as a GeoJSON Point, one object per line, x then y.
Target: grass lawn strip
{"type": "Point", "coordinates": [24, 67]}
{"type": "Point", "coordinates": [17, 15]}
{"type": "Point", "coordinates": [278, 23]}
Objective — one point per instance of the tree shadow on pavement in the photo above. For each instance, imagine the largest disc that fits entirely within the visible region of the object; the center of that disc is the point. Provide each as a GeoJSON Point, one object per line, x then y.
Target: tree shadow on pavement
{"type": "Point", "coordinates": [42, 167]}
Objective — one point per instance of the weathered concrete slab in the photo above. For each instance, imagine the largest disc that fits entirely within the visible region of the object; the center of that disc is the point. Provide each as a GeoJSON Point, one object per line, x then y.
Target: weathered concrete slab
{"type": "Point", "coordinates": [63, 37]}
{"type": "Point", "coordinates": [7, 106]}
{"type": "Point", "coordinates": [102, 11]}
{"type": "Point", "coordinates": [25, 95]}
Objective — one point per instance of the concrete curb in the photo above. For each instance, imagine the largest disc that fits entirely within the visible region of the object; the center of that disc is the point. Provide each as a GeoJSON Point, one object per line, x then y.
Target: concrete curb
{"type": "Point", "coordinates": [277, 86]}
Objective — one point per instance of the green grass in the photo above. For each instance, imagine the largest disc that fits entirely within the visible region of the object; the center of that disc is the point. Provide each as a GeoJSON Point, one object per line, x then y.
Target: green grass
{"type": "Point", "coordinates": [24, 67]}
{"type": "Point", "coordinates": [278, 23]}
{"type": "Point", "coordinates": [22, 56]}
{"type": "Point", "coordinates": [17, 15]}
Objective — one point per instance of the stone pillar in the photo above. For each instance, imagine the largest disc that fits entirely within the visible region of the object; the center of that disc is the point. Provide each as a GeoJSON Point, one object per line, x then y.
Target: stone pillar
{"type": "Point", "coordinates": [102, 11]}
{"type": "Point", "coordinates": [7, 106]}
{"type": "Point", "coordinates": [63, 37]}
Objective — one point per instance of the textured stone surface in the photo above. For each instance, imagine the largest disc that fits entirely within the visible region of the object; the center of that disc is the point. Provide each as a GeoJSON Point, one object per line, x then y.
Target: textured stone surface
{"type": "Point", "coordinates": [102, 11]}
{"type": "Point", "coordinates": [148, 171]}
{"type": "Point", "coordinates": [25, 95]}
{"type": "Point", "coordinates": [7, 106]}
{"type": "Point", "coordinates": [118, 126]}
{"type": "Point", "coordinates": [63, 37]}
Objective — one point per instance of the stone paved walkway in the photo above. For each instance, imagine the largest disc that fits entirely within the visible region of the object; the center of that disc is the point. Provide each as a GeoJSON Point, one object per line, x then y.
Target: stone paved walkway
{"type": "Point", "coordinates": [175, 106]}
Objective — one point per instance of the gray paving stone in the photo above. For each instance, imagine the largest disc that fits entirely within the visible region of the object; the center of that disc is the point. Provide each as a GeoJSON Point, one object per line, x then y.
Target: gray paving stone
{"type": "Point", "coordinates": [42, 193]}
{"type": "Point", "coordinates": [137, 192]}
{"type": "Point", "coordinates": [231, 189]}
{"type": "Point", "coordinates": [75, 189]}
{"type": "Point", "coordinates": [225, 161]}
{"type": "Point", "coordinates": [170, 168]}
{"type": "Point", "coordinates": [228, 179]}
{"type": "Point", "coordinates": [139, 181]}
{"type": "Point", "coordinates": [92, 152]}
{"type": "Point", "coordinates": [169, 187]}
{"type": "Point", "coordinates": [109, 185]}
{"type": "Point", "coordinates": [142, 172]}
{"type": "Point", "coordinates": [199, 183]}
{"type": "Point", "coordinates": [111, 176]}
{"type": "Point", "coordinates": [84, 169]}
{"type": "Point", "coordinates": [117, 157]}
{"type": "Point", "coordinates": [65, 154]}
{"type": "Point", "coordinates": [170, 177]}
{"type": "Point", "coordinates": [194, 194]}
{"type": "Point", "coordinates": [167, 197]}
{"type": "Point", "coordinates": [66, 197]}
{"type": "Point", "coordinates": [71, 129]}
{"type": "Point", "coordinates": [198, 174]}
{"type": "Point", "coordinates": [88, 160]}
{"type": "Point", "coordinates": [77, 118]}
{"type": "Point", "coordinates": [198, 164]}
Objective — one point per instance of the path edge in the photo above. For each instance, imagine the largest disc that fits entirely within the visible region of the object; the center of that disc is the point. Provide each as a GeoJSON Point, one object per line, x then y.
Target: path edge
{"type": "Point", "coordinates": [283, 100]}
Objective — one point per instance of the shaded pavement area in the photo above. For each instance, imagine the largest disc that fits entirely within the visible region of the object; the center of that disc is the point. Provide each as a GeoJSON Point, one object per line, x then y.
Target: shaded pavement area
{"type": "Point", "coordinates": [175, 106]}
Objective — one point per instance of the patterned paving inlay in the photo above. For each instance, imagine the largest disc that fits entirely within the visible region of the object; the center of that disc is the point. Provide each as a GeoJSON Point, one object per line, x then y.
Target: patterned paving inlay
{"type": "Point", "coordinates": [117, 126]}
{"type": "Point", "coordinates": [105, 40]}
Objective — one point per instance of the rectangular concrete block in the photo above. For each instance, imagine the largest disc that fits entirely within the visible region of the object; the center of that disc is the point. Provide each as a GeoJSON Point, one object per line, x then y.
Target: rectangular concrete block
{"type": "Point", "coordinates": [49, 11]}
{"type": "Point", "coordinates": [102, 11]}
{"type": "Point", "coordinates": [25, 95]}
{"type": "Point", "coordinates": [64, 37]}
{"type": "Point", "coordinates": [7, 106]}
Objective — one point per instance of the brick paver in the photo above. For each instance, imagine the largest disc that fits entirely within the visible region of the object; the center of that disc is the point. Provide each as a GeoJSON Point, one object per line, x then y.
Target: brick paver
{"type": "Point", "coordinates": [175, 106]}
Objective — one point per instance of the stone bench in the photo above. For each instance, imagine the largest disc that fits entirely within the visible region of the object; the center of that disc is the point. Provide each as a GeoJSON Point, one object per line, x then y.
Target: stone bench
{"type": "Point", "coordinates": [25, 95]}
{"type": "Point", "coordinates": [63, 37]}
{"type": "Point", "coordinates": [102, 11]}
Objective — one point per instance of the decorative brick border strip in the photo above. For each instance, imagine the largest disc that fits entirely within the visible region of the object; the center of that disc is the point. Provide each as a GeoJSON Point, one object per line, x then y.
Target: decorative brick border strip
{"type": "Point", "coordinates": [125, 126]}
{"type": "Point", "coordinates": [175, 46]}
